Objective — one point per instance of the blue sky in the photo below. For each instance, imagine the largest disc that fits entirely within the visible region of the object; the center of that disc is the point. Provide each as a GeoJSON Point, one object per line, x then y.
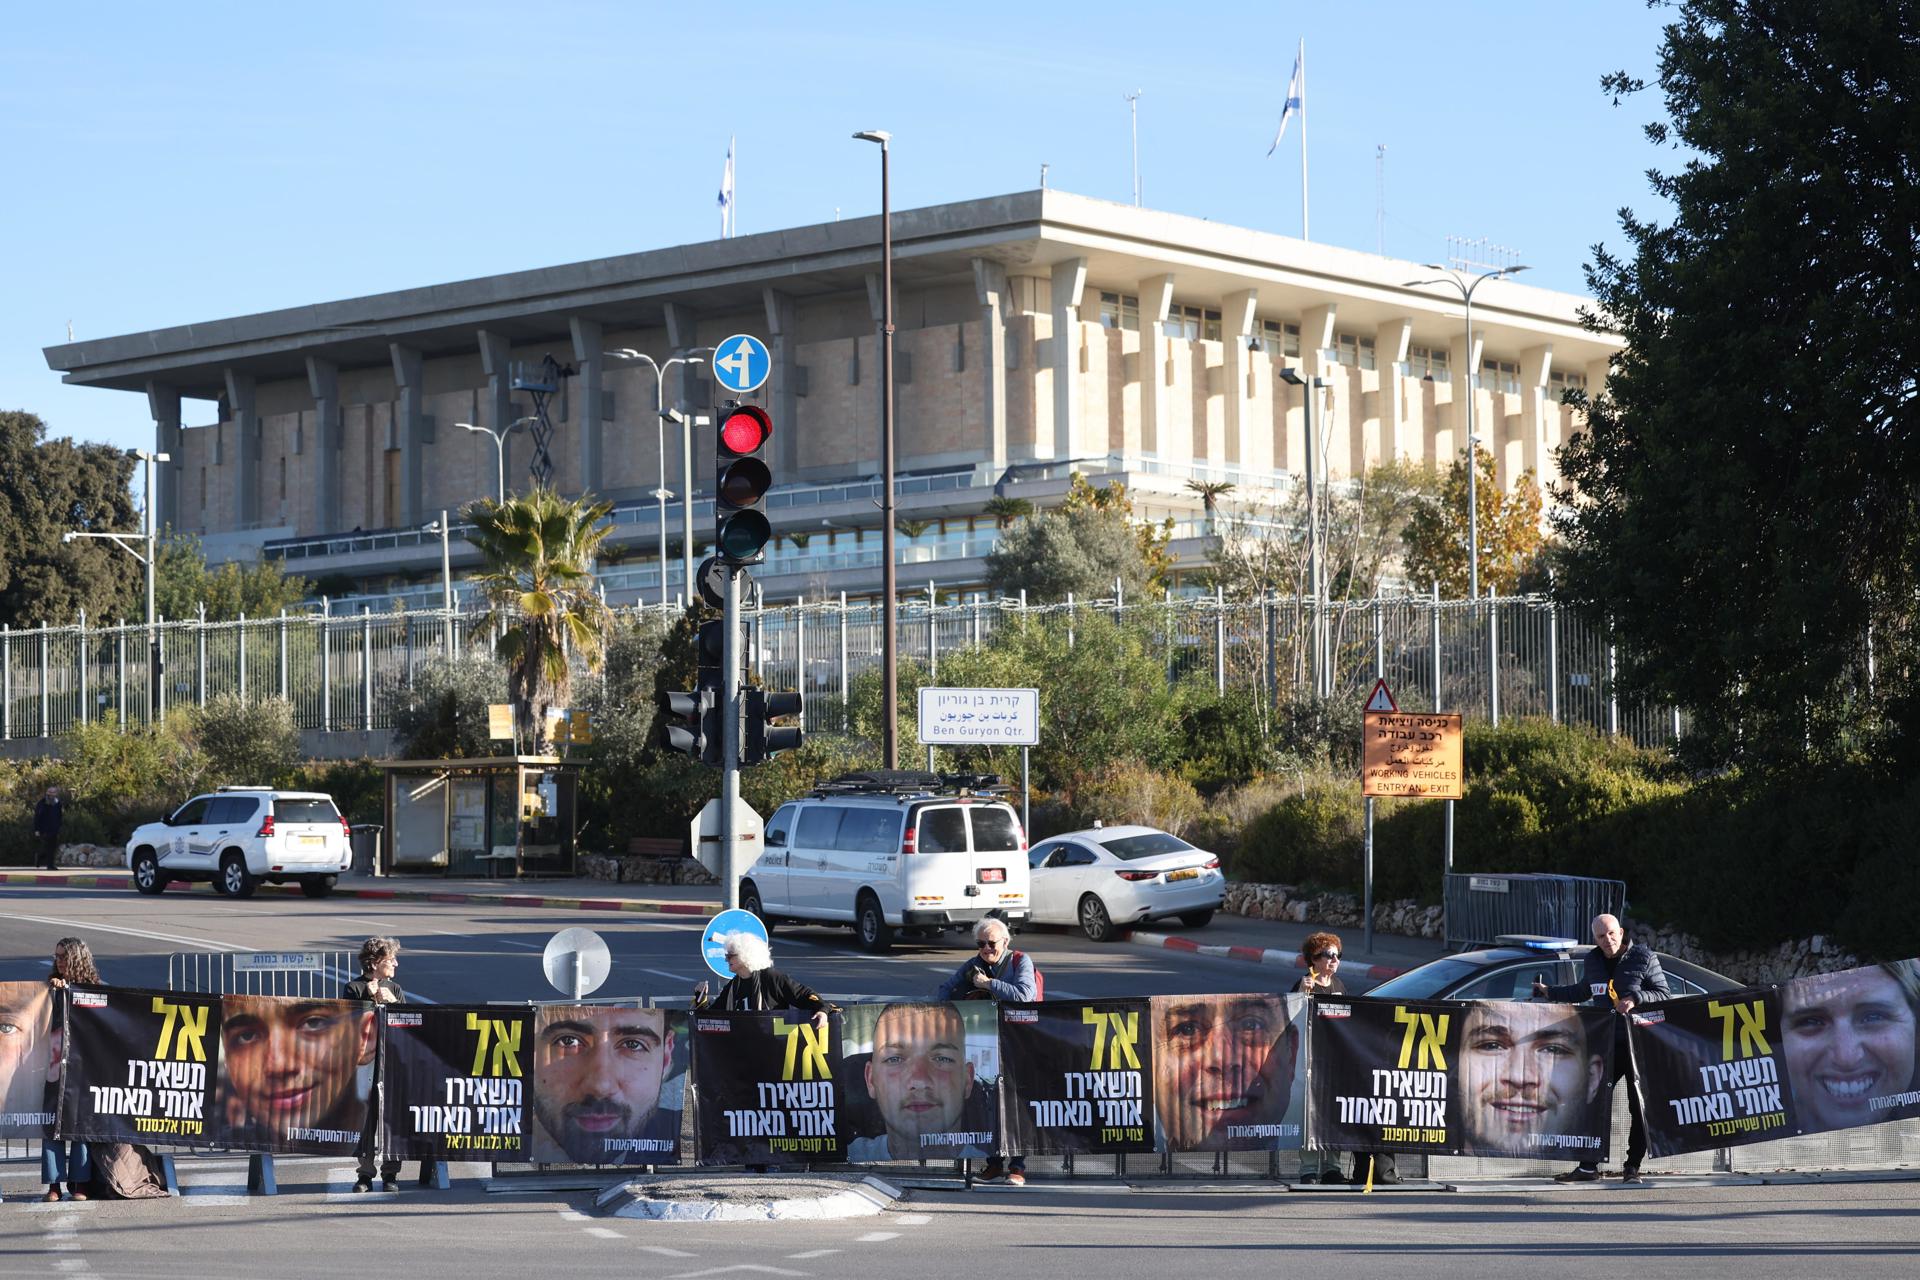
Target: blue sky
{"type": "Point", "coordinates": [178, 163]}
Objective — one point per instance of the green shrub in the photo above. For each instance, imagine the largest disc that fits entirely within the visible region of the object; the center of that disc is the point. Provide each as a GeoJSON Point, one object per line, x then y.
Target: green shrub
{"type": "Point", "coordinates": [1223, 739]}
{"type": "Point", "coordinates": [1130, 791]}
{"type": "Point", "coordinates": [1311, 836]}
{"type": "Point", "coordinates": [443, 714]}
{"type": "Point", "coordinates": [246, 742]}
{"type": "Point", "coordinates": [357, 786]}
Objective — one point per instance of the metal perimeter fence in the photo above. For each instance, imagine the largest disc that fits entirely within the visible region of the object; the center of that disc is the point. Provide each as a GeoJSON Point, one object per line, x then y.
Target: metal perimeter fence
{"type": "Point", "coordinates": [1490, 659]}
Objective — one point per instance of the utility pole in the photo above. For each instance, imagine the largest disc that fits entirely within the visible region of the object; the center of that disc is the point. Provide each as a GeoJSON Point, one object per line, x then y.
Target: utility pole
{"type": "Point", "coordinates": [1133, 106]}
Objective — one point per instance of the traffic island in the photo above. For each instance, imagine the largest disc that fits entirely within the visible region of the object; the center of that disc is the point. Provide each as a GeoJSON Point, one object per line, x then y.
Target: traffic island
{"type": "Point", "coordinates": [747, 1198]}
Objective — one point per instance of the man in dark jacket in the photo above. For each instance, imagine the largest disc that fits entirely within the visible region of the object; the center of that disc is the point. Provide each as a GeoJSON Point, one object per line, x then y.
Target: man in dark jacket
{"type": "Point", "coordinates": [1623, 975]}
{"type": "Point", "coordinates": [46, 825]}
{"type": "Point", "coordinates": [379, 961]}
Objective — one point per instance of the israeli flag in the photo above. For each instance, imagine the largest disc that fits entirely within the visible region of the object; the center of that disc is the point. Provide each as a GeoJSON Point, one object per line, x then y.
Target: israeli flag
{"type": "Point", "coordinates": [1296, 96]}
{"type": "Point", "coordinates": [726, 194]}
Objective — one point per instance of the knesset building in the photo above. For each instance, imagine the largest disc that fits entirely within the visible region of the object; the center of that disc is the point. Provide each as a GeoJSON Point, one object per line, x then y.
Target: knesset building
{"type": "Point", "coordinates": [1037, 334]}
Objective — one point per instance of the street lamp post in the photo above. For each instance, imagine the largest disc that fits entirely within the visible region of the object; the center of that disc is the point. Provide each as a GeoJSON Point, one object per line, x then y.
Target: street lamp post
{"type": "Point", "coordinates": [499, 449]}
{"type": "Point", "coordinates": [1322, 685]}
{"type": "Point", "coordinates": [125, 542]}
{"type": "Point", "coordinates": [444, 527]}
{"type": "Point", "coordinates": [889, 655]}
{"type": "Point", "coordinates": [1452, 277]}
{"type": "Point", "coordinates": [661, 493]}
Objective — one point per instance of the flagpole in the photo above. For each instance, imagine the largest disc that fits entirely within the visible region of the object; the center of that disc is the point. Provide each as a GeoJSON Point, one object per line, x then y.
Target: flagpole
{"type": "Point", "coordinates": [1305, 234]}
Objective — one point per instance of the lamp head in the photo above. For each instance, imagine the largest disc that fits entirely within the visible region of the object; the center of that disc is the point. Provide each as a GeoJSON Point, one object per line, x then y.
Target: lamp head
{"type": "Point", "coordinates": [880, 136]}
{"type": "Point", "coordinates": [1291, 376]}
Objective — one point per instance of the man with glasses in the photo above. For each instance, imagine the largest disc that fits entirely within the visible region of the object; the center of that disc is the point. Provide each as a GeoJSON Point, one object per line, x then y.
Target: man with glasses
{"type": "Point", "coordinates": [995, 972]}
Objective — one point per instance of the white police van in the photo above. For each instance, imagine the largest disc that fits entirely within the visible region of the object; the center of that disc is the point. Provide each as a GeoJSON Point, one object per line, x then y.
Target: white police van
{"type": "Point", "coordinates": [238, 836]}
{"type": "Point", "coordinates": [892, 850]}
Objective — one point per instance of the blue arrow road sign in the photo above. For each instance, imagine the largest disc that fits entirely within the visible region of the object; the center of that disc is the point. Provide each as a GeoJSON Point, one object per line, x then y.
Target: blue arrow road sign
{"type": "Point", "coordinates": [741, 363]}
{"type": "Point", "coordinates": [734, 921]}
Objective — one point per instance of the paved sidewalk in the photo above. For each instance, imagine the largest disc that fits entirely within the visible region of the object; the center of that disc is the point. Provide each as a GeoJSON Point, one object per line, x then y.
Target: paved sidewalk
{"type": "Point", "coordinates": [1265, 942]}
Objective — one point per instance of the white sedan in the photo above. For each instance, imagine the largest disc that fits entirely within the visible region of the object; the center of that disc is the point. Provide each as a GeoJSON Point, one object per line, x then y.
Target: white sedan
{"type": "Point", "coordinates": [1107, 878]}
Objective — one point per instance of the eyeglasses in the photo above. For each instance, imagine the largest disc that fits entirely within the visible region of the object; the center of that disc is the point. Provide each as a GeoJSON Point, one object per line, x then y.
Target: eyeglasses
{"type": "Point", "coordinates": [991, 942]}
{"type": "Point", "coordinates": [1326, 955]}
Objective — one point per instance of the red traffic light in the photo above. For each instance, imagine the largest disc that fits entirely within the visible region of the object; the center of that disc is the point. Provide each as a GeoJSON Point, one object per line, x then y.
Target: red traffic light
{"type": "Point", "coordinates": [745, 429]}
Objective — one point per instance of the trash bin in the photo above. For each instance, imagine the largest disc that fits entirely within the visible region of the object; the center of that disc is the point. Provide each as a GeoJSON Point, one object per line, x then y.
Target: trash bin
{"type": "Point", "coordinates": [366, 848]}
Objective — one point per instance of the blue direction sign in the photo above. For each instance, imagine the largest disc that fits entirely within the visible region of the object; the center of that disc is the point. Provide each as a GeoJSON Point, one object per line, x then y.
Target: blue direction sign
{"type": "Point", "coordinates": [735, 921]}
{"type": "Point", "coordinates": [741, 363]}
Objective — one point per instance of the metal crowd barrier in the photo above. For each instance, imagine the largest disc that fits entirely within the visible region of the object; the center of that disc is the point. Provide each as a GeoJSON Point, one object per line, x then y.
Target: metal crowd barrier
{"type": "Point", "coordinates": [1482, 906]}
{"type": "Point", "coordinates": [314, 975]}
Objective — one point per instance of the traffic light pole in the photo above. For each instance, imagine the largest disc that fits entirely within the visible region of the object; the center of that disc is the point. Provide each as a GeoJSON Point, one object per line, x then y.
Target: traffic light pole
{"type": "Point", "coordinates": [730, 742]}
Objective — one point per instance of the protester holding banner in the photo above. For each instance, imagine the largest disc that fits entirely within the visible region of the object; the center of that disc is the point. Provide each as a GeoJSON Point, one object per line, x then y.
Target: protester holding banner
{"type": "Point", "coordinates": [62, 1161]}
{"type": "Point", "coordinates": [994, 972]}
{"type": "Point", "coordinates": [756, 986]}
{"type": "Point", "coordinates": [379, 961]}
{"type": "Point", "coordinates": [1622, 975]}
{"type": "Point", "coordinates": [1848, 1040]}
{"type": "Point", "coordinates": [1321, 953]}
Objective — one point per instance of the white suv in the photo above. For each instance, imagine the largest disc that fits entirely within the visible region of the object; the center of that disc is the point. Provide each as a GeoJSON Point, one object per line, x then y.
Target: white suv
{"type": "Point", "coordinates": [238, 836]}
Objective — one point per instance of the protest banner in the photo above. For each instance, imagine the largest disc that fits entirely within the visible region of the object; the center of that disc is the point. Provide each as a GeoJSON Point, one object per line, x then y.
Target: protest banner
{"type": "Point", "coordinates": [26, 1045]}
{"type": "Point", "coordinates": [921, 1080]}
{"type": "Point", "coordinates": [1076, 1076]}
{"type": "Point", "coordinates": [1228, 1072]}
{"type": "Point", "coordinates": [453, 1080]}
{"type": "Point", "coordinates": [609, 1084]}
{"type": "Point", "coordinates": [764, 1088]}
{"type": "Point", "coordinates": [296, 1075]}
{"type": "Point", "coordinates": [139, 1066]}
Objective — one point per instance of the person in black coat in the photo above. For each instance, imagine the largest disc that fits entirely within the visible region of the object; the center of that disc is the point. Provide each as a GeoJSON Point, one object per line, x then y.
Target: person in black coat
{"type": "Point", "coordinates": [47, 816]}
{"type": "Point", "coordinates": [379, 961]}
{"type": "Point", "coordinates": [756, 986]}
{"type": "Point", "coordinates": [1321, 954]}
{"type": "Point", "coordinates": [1623, 975]}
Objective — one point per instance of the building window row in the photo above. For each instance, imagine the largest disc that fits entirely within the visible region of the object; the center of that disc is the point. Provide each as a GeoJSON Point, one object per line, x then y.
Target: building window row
{"type": "Point", "coordinates": [1354, 352]}
{"type": "Point", "coordinates": [1500, 375]}
{"type": "Point", "coordinates": [1428, 362]}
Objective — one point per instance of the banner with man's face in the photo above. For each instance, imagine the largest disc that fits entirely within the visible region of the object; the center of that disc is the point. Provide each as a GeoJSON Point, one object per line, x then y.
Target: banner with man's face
{"type": "Point", "coordinates": [27, 1042]}
{"type": "Point", "coordinates": [1484, 1078]}
{"type": "Point", "coordinates": [455, 1081]}
{"type": "Point", "coordinates": [1227, 1072]}
{"type": "Point", "coordinates": [296, 1075]}
{"type": "Point", "coordinates": [140, 1066]}
{"type": "Point", "coordinates": [609, 1084]}
{"type": "Point", "coordinates": [920, 1080]}
{"type": "Point", "coordinates": [1076, 1076]}
{"type": "Point", "coordinates": [765, 1088]}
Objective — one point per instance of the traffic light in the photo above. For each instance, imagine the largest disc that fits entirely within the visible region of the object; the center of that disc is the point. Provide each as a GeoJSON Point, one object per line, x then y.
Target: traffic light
{"type": "Point", "coordinates": [694, 718]}
{"type": "Point", "coordinates": [762, 741]}
{"type": "Point", "coordinates": [741, 479]}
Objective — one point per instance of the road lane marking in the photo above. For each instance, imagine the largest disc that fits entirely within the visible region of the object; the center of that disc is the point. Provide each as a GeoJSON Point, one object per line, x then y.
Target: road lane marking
{"type": "Point", "coordinates": [604, 1233]}
{"type": "Point", "coordinates": [135, 933]}
{"type": "Point", "coordinates": [912, 1219]}
{"type": "Point", "coordinates": [875, 1237]}
{"type": "Point", "coordinates": [662, 973]}
{"type": "Point", "coordinates": [811, 1253]}
{"type": "Point", "coordinates": [665, 1252]}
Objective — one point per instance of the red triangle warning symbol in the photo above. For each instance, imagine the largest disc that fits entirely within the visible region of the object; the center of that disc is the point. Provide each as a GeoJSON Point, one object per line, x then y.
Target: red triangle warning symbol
{"type": "Point", "coordinates": [1382, 698]}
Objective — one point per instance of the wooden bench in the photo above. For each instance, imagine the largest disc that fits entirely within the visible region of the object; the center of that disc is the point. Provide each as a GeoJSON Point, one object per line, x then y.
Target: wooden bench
{"type": "Point", "coordinates": [656, 847]}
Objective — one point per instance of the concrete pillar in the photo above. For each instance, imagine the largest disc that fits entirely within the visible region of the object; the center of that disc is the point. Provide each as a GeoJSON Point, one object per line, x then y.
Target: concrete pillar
{"type": "Point", "coordinates": [783, 342]}
{"type": "Point", "coordinates": [1236, 328]}
{"type": "Point", "coordinates": [163, 402]}
{"type": "Point", "coordinates": [1391, 338]}
{"type": "Point", "coordinates": [246, 448]}
{"type": "Point", "coordinates": [1069, 285]}
{"type": "Point", "coordinates": [590, 367]}
{"type": "Point", "coordinates": [1316, 338]}
{"type": "Point", "coordinates": [1536, 365]}
{"type": "Point", "coordinates": [496, 361]}
{"type": "Point", "coordinates": [1156, 301]}
{"type": "Point", "coordinates": [323, 381]}
{"type": "Point", "coordinates": [410, 431]}
{"type": "Point", "coordinates": [990, 287]}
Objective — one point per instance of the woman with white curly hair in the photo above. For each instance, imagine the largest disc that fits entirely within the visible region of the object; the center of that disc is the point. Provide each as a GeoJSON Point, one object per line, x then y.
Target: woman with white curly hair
{"type": "Point", "coordinates": [756, 986]}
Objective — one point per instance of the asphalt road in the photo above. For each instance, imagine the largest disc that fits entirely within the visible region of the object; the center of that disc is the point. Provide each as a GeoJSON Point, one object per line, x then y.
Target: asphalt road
{"type": "Point", "coordinates": [317, 1229]}
{"type": "Point", "coordinates": [472, 952]}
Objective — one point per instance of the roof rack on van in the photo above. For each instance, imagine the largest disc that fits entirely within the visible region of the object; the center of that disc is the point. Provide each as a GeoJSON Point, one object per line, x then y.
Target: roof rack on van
{"type": "Point", "coordinates": [880, 782]}
{"type": "Point", "coordinates": [243, 787]}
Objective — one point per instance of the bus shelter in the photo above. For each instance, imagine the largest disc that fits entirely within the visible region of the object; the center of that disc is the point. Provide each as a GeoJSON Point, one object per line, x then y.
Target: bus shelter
{"type": "Point", "coordinates": [491, 816]}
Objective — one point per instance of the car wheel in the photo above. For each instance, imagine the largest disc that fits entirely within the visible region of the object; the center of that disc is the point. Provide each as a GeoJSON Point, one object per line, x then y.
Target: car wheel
{"type": "Point", "coordinates": [870, 924]}
{"type": "Point", "coordinates": [750, 903]}
{"type": "Point", "coordinates": [1094, 920]}
{"type": "Point", "coordinates": [1196, 919]}
{"type": "Point", "coordinates": [234, 880]}
{"type": "Point", "coordinates": [146, 872]}
{"type": "Point", "coordinates": [318, 886]}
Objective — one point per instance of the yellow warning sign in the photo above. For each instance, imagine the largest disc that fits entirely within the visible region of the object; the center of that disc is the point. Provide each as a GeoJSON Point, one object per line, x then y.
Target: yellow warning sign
{"type": "Point", "coordinates": [1411, 755]}
{"type": "Point", "coordinates": [499, 721]}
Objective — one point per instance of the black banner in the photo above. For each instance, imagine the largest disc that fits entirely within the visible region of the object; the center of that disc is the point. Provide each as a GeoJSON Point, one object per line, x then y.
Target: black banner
{"type": "Point", "coordinates": [1484, 1078]}
{"type": "Point", "coordinates": [920, 1080]}
{"type": "Point", "coordinates": [296, 1075]}
{"type": "Point", "coordinates": [1815, 1054]}
{"type": "Point", "coordinates": [609, 1084]}
{"type": "Point", "coordinates": [765, 1088]}
{"type": "Point", "coordinates": [140, 1066]}
{"type": "Point", "coordinates": [454, 1081]}
{"type": "Point", "coordinates": [1076, 1076]}
{"type": "Point", "coordinates": [27, 1043]}
{"type": "Point", "coordinates": [1228, 1072]}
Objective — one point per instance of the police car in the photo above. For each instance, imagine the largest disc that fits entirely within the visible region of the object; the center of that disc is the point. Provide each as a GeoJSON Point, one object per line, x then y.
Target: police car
{"type": "Point", "coordinates": [237, 837]}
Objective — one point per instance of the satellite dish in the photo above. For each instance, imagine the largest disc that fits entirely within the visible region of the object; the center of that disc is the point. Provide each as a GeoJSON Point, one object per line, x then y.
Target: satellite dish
{"type": "Point", "coordinates": [576, 962]}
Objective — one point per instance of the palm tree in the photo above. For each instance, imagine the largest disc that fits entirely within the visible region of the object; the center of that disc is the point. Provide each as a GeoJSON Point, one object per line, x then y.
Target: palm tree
{"type": "Point", "coordinates": [1006, 510]}
{"type": "Point", "coordinates": [539, 551]}
{"type": "Point", "coordinates": [1210, 491]}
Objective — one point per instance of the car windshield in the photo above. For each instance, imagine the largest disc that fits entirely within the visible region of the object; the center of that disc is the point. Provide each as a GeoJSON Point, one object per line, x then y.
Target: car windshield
{"type": "Point", "coordinates": [1127, 848]}
{"type": "Point", "coordinates": [312, 811]}
{"type": "Point", "coordinates": [1428, 980]}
